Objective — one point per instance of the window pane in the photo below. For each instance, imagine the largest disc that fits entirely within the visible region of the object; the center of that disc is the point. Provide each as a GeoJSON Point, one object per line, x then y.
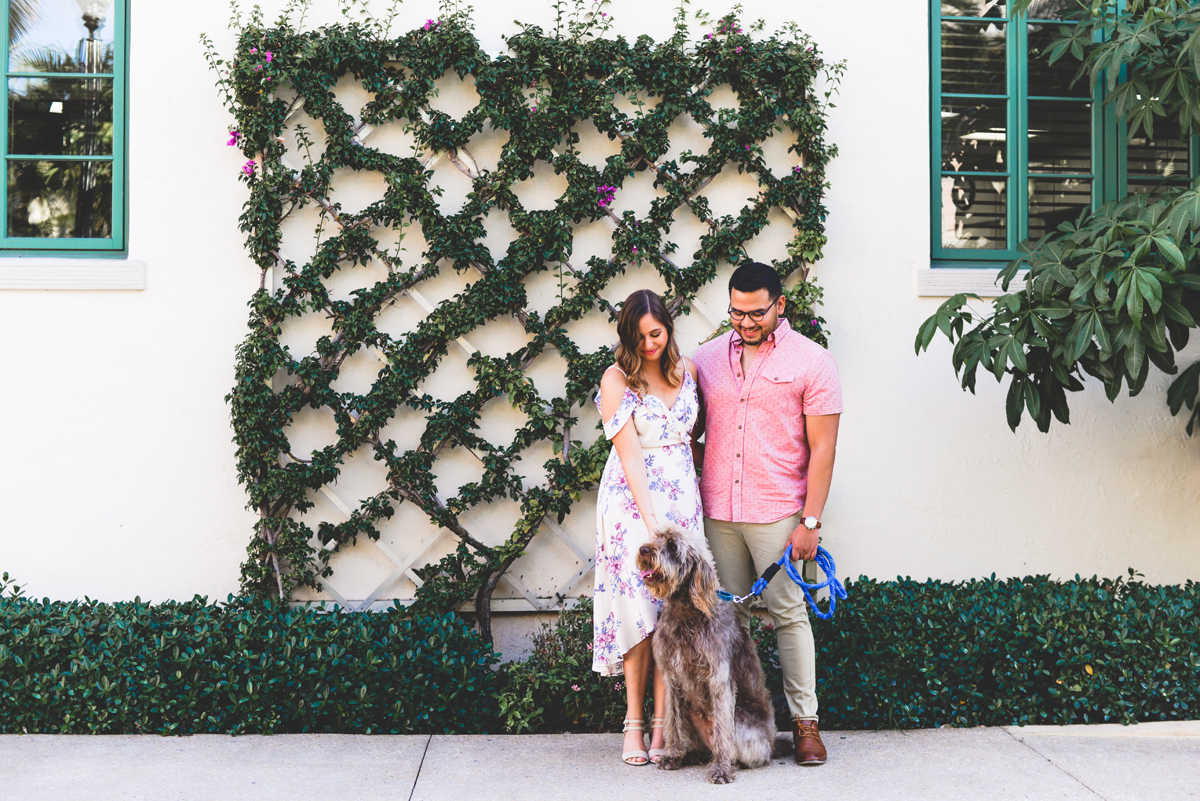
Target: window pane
{"type": "Point", "coordinates": [1054, 201]}
{"type": "Point", "coordinates": [1164, 156]}
{"type": "Point", "coordinates": [60, 199]}
{"type": "Point", "coordinates": [1155, 187]}
{"type": "Point", "coordinates": [1060, 136]}
{"type": "Point", "coordinates": [1052, 80]}
{"type": "Point", "coordinates": [974, 8]}
{"type": "Point", "coordinates": [973, 58]}
{"type": "Point", "coordinates": [973, 135]}
{"type": "Point", "coordinates": [53, 36]}
{"type": "Point", "coordinates": [1051, 9]}
{"type": "Point", "coordinates": [974, 214]}
{"type": "Point", "coordinates": [60, 116]}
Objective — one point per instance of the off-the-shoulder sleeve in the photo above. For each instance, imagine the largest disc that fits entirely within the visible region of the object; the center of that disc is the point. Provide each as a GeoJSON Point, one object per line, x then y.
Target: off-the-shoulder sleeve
{"type": "Point", "coordinates": [613, 425]}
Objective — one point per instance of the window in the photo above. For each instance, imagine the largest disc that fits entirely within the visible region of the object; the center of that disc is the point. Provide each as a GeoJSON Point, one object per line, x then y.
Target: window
{"type": "Point", "coordinates": [1018, 150]}
{"type": "Point", "coordinates": [63, 188]}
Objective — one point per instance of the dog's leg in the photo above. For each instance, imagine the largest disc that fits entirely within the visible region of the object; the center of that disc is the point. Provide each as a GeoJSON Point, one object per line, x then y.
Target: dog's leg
{"type": "Point", "coordinates": [676, 738]}
{"type": "Point", "coordinates": [754, 735]}
{"type": "Point", "coordinates": [721, 769]}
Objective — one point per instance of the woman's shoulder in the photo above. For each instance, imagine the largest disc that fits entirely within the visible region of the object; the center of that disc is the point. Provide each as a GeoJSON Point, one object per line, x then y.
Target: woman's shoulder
{"type": "Point", "coordinates": [690, 366]}
{"type": "Point", "coordinates": [614, 379]}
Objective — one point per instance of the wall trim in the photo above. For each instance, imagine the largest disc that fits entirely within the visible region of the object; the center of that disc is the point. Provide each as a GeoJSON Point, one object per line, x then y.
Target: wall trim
{"type": "Point", "coordinates": [63, 273]}
{"type": "Point", "coordinates": [942, 282]}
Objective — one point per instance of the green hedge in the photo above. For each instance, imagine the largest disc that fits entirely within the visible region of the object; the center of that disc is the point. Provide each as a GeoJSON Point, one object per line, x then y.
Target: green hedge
{"type": "Point", "coordinates": [179, 668]}
{"type": "Point", "coordinates": [899, 654]}
{"type": "Point", "coordinates": [909, 654]}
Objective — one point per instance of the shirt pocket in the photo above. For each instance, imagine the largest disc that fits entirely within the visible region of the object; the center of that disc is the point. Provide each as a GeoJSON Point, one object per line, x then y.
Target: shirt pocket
{"type": "Point", "coordinates": [781, 391]}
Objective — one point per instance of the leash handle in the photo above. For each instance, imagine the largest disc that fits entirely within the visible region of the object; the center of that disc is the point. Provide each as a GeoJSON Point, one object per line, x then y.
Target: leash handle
{"type": "Point", "coordinates": [825, 562]}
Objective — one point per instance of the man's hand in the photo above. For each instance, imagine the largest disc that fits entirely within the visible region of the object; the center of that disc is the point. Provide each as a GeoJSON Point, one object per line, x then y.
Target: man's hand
{"type": "Point", "coordinates": [804, 543]}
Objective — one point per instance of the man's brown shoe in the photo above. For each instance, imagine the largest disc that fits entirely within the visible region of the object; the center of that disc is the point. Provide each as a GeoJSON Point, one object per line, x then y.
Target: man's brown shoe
{"type": "Point", "coordinates": [809, 748]}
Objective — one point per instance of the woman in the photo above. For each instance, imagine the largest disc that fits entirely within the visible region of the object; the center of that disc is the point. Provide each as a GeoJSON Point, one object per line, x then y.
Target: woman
{"type": "Point", "coordinates": [649, 403]}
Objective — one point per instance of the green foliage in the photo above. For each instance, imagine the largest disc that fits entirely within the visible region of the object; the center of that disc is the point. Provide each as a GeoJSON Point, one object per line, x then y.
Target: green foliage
{"type": "Point", "coordinates": [1146, 53]}
{"type": "Point", "coordinates": [899, 654]}
{"type": "Point", "coordinates": [182, 668]}
{"type": "Point", "coordinates": [556, 689]}
{"type": "Point", "coordinates": [908, 654]}
{"type": "Point", "coordinates": [1109, 296]}
{"type": "Point", "coordinates": [1118, 290]}
{"type": "Point", "coordinates": [1023, 651]}
{"type": "Point", "coordinates": [539, 92]}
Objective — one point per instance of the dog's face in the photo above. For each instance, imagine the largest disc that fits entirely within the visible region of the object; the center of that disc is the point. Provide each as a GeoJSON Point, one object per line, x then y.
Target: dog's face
{"type": "Point", "coordinates": [674, 568]}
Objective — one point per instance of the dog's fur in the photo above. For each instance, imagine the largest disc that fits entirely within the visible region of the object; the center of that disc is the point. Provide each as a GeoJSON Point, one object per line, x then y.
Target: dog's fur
{"type": "Point", "coordinates": [709, 662]}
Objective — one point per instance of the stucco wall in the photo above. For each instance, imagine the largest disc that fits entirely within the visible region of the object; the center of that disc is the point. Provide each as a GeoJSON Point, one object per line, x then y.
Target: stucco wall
{"type": "Point", "coordinates": [118, 478]}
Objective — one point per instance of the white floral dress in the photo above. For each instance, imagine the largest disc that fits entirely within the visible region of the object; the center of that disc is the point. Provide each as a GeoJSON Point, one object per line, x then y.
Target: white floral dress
{"type": "Point", "coordinates": [625, 612]}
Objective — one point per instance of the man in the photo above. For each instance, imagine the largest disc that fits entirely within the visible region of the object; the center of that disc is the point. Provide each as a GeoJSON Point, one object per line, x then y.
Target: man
{"type": "Point", "coordinates": [772, 404]}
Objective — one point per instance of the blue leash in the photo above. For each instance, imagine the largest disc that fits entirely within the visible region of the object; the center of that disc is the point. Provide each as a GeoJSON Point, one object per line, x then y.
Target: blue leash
{"type": "Point", "coordinates": [823, 560]}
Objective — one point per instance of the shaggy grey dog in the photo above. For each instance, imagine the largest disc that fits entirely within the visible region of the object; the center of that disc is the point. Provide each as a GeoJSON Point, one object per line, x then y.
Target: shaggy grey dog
{"type": "Point", "coordinates": [716, 693]}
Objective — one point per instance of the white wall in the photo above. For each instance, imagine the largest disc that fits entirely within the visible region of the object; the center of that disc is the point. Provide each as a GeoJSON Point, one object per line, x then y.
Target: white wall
{"type": "Point", "coordinates": [118, 475]}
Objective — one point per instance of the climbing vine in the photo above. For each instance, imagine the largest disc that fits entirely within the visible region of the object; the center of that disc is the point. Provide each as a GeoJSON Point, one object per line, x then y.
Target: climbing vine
{"type": "Point", "coordinates": [539, 91]}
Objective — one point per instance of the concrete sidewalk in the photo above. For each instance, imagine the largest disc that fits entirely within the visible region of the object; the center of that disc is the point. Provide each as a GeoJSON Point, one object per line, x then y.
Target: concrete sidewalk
{"type": "Point", "coordinates": [1159, 761]}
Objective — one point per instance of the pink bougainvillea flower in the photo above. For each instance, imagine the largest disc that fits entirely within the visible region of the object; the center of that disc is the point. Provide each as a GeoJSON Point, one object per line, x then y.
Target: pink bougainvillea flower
{"type": "Point", "coordinates": [430, 24]}
{"type": "Point", "coordinates": [607, 193]}
{"type": "Point", "coordinates": [254, 50]}
{"type": "Point", "coordinates": [234, 136]}
{"type": "Point", "coordinates": [269, 56]}
{"type": "Point", "coordinates": [258, 67]}
{"type": "Point", "coordinates": [635, 250]}
{"type": "Point", "coordinates": [737, 50]}
{"type": "Point", "coordinates": [534, 108]}
{"type": "Point", "coordinates": [747, 147]}
{"type": "Point", "coordinates": [249, 167]}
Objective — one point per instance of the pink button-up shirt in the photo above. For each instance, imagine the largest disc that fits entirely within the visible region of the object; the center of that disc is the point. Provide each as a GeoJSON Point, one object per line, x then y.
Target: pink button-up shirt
{"type": "Point", "coordinates": [756, 449]}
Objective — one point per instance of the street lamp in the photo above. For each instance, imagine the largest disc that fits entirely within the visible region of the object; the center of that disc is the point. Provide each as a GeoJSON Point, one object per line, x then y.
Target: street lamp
{"type": "Point", "coordinates": [94, 14]}
{"type": "Point", "coordinates": [91, 61]}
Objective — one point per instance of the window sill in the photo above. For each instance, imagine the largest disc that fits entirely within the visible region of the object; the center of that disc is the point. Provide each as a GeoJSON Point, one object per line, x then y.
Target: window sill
{"type": "Point", "coordinates": [943, 282]}
{"type": "Point", "coordinates": [75, 274]}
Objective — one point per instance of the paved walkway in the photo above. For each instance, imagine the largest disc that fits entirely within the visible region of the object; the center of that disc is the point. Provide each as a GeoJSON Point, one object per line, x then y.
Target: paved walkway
{"type": "Point", "coordinates": [1159, 761]}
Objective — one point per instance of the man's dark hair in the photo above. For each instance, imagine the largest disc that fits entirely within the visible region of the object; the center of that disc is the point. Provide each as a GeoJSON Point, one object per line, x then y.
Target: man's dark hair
{"type": "Point", "coordinates": [753, 276]}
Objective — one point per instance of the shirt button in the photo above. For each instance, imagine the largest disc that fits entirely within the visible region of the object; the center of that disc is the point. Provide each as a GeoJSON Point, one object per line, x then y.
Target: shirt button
{"type": "Point", "coordinates": [735, 481]}
{"type": "Point", "coordinates": [739, 456]}
{"type": "Point", "coordinates": [743, 400]}
{"type": "Point", "coordinates": [739, 428]}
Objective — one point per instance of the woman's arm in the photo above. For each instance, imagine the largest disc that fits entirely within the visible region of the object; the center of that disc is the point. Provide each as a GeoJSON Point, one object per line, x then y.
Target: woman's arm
{"type": "Point", "coordinates": [629, 449]}
{"type": "Point", "coordinates": [698, 427]}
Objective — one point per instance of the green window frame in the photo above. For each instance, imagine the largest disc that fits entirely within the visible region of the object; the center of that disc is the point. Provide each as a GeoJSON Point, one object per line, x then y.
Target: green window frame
{"type": "Point", "coordinates": [988, 192]}
{"type": "Point", "coordinates": [116, 244]}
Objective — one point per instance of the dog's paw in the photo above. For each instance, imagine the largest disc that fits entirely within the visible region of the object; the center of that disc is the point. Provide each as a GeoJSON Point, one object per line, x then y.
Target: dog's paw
{"type": "Point", "coordinates": [670, 762]}
{"type": "Point", "coordinates": [721, 774]}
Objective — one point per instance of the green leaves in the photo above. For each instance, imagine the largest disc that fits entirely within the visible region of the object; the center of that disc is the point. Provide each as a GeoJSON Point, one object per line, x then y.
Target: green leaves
{"type": "Point", "coordinates": [1109, 298]}
{"type": "Point", "coordinates": [540, 93]}
{"type": "Point", "coordinates": [84, 667]}
{"type": "Point", "coordinates": [991, 652]}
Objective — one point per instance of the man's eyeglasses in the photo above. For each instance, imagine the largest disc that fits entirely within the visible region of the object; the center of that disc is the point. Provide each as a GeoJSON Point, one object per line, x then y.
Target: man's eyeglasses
{"type": "Point", "coordinates": [737, 315]}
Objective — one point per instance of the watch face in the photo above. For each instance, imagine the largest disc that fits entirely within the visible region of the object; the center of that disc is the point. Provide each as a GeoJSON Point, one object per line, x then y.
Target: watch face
{"type": "Point", "coordinates": [810, 522]}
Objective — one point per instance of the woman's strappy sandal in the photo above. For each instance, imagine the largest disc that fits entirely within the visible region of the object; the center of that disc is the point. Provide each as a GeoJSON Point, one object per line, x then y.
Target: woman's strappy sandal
{"type": "Point", "coordinates": [628, 757]}
{"type": "Point", "coordinates": [656, 753]}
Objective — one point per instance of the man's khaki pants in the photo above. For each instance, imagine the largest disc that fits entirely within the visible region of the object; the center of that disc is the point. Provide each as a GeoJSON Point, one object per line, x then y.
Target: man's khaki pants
{"type": "Point", "coordinates": [742, 552]}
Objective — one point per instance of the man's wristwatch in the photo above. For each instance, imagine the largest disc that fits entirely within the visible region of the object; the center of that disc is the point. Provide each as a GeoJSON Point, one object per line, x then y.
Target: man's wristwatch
{"type": "Point", "coordinates": [811, 523]}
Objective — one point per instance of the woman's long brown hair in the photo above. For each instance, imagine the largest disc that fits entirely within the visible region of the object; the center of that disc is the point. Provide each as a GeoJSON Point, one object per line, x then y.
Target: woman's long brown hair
{"type": "Point", "coordinates": [629, 358]}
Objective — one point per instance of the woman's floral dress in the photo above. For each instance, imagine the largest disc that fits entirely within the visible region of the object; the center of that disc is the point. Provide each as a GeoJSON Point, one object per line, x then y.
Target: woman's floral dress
{"type": "Point", "coordinates": [625, 612]}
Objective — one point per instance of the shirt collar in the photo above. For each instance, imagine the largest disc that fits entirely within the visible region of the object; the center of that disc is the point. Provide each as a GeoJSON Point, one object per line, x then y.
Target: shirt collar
{"type": "Point", "coordinates": [779, 333]}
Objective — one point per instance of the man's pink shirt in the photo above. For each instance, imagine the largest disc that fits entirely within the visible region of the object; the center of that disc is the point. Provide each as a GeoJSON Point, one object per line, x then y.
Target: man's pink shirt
{"type": "Point", "coordinates": [756, 449]}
